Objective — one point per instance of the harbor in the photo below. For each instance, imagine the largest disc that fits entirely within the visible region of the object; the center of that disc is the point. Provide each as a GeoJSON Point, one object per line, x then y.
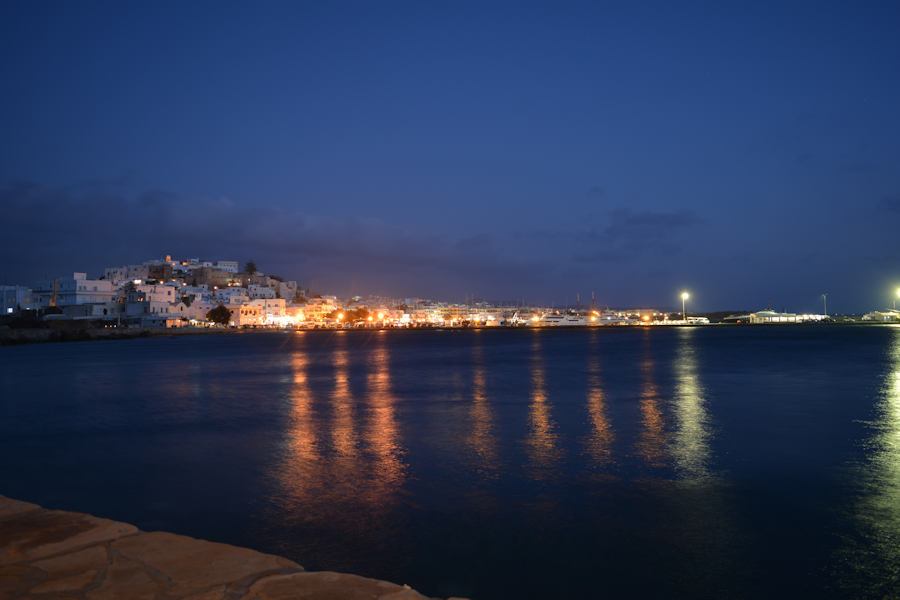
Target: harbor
{"type": "Point", "coordinates": [484, 463]}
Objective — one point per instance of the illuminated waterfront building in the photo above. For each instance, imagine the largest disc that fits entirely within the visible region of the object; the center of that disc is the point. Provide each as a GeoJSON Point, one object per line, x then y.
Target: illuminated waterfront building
{"type": "Point", "coordinates": [883, 316]}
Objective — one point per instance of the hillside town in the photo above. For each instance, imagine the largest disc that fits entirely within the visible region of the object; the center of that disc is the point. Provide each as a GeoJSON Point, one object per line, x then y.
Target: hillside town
{"type": "Point", "coordinates": [173, 293]}
{"type": "Point", "coordinates": [169, 293]}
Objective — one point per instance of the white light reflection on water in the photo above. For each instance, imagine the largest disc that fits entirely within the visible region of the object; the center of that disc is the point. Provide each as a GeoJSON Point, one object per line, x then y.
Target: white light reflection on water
{"type": "Point", "coordinates": [690, 443]}
{"type": "Point", "coordinates": [870, 560]}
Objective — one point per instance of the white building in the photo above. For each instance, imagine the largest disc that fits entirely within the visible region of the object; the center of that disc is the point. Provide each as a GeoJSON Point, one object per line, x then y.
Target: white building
{"type": "Point", "coordinates": [882, 316]}
{"type": "Point", "coordinates": [247, 315]}
{"type": "Point", "coordinates": [156, 292]}
{"type": "Point", "coordinates": [199, 292]}
{"type": "Point", "coordinates": [154, 300]}
{"type": "Point", "coordinates": [231, 295]}
{"type": "Point", "coordinates": [75, 290]}
{"type": "Point", "coordinates": [260, 291]}
{"type": "Point", "coordinates": [126, 273]}
{"type": "Point", "coordinates": [287, 289]}
{"type": "Point", "coordinates": [772, 317]}
{"type": "Point", "coordinates": [14, 298]}
{"type": "Point", "coordinates": [274, 307]}
{"type": "Point", "coordinates": [229, 266]}
{"type": "Point", "coordinates": [316, 310]}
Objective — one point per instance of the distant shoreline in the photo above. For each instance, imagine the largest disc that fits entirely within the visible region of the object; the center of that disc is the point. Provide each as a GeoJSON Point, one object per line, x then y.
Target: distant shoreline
{"type": "Point", "coordinates": [16, 336]}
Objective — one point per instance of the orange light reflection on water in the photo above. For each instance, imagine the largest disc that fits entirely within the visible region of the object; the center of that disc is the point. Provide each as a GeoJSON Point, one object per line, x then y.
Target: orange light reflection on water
{"type": "Point", "coordinates": [599, 444]}
{"type": "Point", "coordinates": [542, 438]}
{"type": "Point", "coordinates": [482, 440]}
{"type": "Point", "coordinates": [651, 444]}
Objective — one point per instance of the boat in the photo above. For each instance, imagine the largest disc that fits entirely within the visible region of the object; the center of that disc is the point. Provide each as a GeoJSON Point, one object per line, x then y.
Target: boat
{"type": "Point", "coordinates": [565, 320]}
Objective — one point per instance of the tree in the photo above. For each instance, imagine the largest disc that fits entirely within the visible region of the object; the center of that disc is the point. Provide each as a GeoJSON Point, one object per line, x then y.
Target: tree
{"type": "Point", "coordinates": [220, 315]}
{"type": "Point", "coordinates": [250, 267]}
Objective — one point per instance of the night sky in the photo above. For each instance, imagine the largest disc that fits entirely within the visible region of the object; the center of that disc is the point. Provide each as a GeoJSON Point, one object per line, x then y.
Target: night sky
{"type": "Point", "coordinates": [748, 152]}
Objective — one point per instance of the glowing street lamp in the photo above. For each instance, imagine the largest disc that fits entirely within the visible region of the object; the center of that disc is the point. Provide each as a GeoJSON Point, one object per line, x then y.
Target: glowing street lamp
{"type": "Point", "coordinates": [340, 317]}
{"type": "Point", "coordinates": [896, 295]}
{"type": "Point", "coordinates": [684, 298]}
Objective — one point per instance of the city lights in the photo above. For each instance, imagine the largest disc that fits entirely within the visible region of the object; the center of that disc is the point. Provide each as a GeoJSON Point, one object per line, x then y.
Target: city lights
{"type": "Point", "coordinates": [196, 294]}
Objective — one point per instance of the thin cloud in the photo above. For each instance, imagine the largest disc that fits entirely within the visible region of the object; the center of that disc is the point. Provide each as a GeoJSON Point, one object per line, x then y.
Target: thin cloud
{"type": "Point", "coordinates": [88, 227]}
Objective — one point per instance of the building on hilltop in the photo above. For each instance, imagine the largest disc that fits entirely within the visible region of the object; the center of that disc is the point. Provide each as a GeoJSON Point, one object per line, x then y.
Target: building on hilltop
{"type": "Point", "coordinates": [209, 276]}
{"type": "Point", "coordinates": [261, 291]}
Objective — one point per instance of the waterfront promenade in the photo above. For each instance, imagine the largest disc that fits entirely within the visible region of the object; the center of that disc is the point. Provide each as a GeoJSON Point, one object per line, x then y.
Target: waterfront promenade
{"type": "Point", "coordinates": [58, 554]}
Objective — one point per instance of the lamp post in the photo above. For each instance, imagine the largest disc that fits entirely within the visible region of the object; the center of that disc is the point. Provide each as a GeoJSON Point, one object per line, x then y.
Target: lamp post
{"type": "Point", "coordinates": [684, 298]}
{"type": "Point", "coordinates": [896, 295]}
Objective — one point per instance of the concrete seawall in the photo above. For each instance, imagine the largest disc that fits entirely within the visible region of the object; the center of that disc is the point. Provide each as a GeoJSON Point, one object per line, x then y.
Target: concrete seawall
{"type": "Point", "coordinates": [58, 554]}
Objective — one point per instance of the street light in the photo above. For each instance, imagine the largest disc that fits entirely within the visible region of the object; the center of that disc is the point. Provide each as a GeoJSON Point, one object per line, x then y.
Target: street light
{"type": "Point", "coordinates": [896, 295]}
{"type": "Point", "coordinates": [684, 298]}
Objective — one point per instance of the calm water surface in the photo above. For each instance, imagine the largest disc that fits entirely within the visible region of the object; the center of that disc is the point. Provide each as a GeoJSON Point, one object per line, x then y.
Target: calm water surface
{"type": "Point", "coordinates": [667, 462]}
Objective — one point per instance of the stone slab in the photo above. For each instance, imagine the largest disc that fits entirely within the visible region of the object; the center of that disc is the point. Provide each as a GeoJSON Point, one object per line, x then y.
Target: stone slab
{"type": "Point", "coordinates": [56, 554]}
{"type": "Point", "coordinates": [34, 534]}
{"type": "Point", "coordinates": [10, 507]}
{"type": "Point", "coordinates": [327, 585]}
{"type": "Point", "coordinates": [193, 565]}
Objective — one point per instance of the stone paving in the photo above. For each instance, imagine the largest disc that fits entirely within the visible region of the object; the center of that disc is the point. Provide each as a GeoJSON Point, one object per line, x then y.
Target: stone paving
{"type": "Point", "coordinates": [56, 554]}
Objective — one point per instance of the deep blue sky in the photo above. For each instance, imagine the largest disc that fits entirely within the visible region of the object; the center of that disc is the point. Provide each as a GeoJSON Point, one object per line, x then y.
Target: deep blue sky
{"type": "Point", "coordinates": [750, 152]}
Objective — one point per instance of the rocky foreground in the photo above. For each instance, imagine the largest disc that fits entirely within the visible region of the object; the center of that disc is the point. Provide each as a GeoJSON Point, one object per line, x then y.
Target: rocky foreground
{"type": "Point", "coordinates": [58, 554]}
